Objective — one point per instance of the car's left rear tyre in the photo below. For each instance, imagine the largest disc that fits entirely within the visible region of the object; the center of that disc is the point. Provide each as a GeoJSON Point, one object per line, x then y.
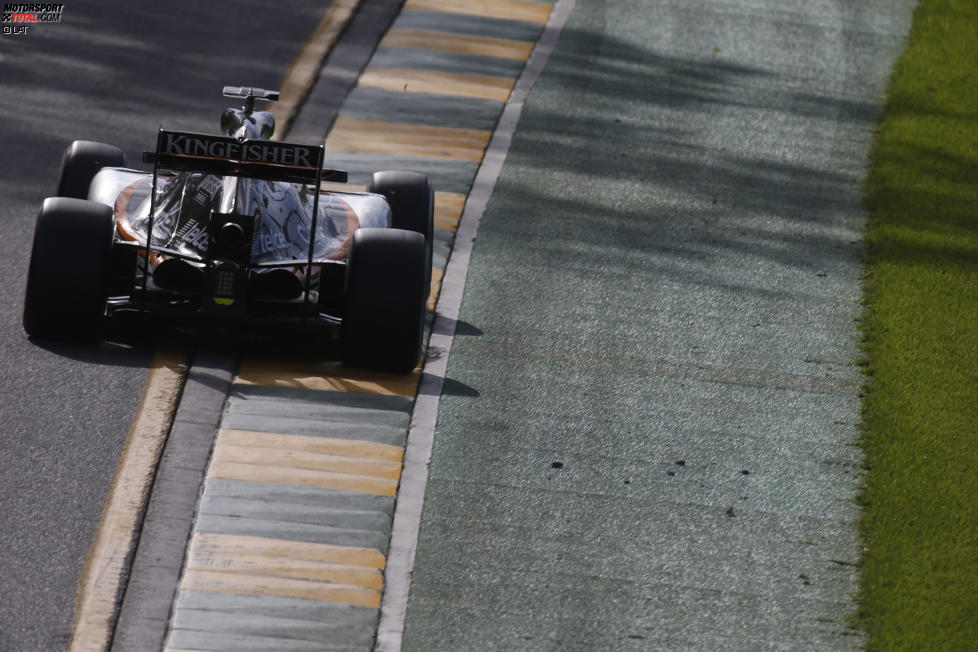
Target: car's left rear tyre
{"type": "Point", "coordinates": [68, 273]}
{"type": "Point", "coordinates": [383, 322]}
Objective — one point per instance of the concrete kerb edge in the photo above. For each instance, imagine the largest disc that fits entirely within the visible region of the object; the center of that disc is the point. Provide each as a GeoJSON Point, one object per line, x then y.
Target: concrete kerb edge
{"type": "Point", "coordinates": [146, 604]}
{"type": "Point", "coordinates": [417, 456]}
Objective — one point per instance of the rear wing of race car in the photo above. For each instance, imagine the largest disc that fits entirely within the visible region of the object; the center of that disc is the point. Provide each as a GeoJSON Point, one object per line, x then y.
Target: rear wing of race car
{"type": "Point", "coordinates": [225, 156]}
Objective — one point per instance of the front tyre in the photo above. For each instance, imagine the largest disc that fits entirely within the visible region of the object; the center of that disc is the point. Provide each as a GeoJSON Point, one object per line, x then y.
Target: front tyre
{"type": "Point", "coordinates": [81, 162]}
{"type": "Point", "coordinates": [386, 293]}
{"type": "Point", "coordinates": [411, 198]}
{"type": "Point", "coordinates": [66, 280]}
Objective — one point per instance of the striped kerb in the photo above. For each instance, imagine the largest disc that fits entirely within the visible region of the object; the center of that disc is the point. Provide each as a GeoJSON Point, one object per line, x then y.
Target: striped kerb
{"type": "Point", "coordinates": [293, 526]}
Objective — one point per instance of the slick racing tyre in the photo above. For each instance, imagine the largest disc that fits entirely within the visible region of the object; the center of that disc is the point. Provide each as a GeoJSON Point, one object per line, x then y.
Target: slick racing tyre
{"type": "Point", "coordinates": [386, 295]}
{"type": "Point", "coordinates": [66, 280]}
{"type": "Point", "coordinates": [81, 161]}
{"type": "Point", "coordinates": [412, 200]}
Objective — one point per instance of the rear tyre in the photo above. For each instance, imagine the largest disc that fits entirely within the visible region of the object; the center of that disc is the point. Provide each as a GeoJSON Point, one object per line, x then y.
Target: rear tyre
{"type": "Point", "coordinates": [81, 161]}
{"type": "Point", "coordinates": [386, 293]}
{"type": "Point", "coordinates": [412, 200]}
{"type": "Point", "coordinates": [66, 280]}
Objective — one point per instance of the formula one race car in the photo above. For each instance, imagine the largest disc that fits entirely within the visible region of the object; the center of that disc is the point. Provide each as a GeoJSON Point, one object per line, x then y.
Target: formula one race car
{"type": "Point", "coordinates": [234, 229]}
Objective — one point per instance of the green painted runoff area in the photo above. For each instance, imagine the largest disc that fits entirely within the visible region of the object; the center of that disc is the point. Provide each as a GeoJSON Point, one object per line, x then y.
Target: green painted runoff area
{"type": "Point", "coordinates": [920, 525]}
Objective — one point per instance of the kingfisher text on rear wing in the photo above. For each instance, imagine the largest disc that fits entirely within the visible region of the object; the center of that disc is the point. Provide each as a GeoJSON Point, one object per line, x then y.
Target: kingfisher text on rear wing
{"type": "Point", "coordinates": [252, 151]}
{"type": "Point", "coordinates": [260, 158]}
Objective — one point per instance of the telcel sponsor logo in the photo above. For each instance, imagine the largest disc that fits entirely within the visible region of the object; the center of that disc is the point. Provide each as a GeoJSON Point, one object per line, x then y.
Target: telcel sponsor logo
{"type": "Point", "coordinates": [271, 242]}
{"type": "Point", "coordinates": [249, 151]}
{"type": "Point", "coordinates": [194, 234]}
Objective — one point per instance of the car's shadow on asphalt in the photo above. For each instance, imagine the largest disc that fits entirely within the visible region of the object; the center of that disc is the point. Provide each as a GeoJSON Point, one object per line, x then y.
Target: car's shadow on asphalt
{"type": "Point", "coordinates": [452, 387]}
{"type": "Point", "coordinates": [449, 386]}
{"type": "Point", "coordinates": [127, 342]}
{"type": "Point", "coordinates": [112, 353]}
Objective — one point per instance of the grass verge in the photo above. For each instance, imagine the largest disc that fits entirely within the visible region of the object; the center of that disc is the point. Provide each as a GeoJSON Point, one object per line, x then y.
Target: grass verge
{"type": "Point", "coordinates": [920, 415]}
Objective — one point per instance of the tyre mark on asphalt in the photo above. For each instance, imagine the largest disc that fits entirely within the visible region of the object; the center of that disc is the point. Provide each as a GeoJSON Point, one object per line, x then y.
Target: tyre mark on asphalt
{"type": "Point", "coordinates": [761, 378]}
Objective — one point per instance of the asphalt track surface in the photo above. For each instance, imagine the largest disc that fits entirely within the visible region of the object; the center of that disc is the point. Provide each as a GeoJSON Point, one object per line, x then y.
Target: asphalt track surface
{"type": "Point", "coordinates": [111, 72]}
{"type": "Point", "coordinates": [725, 143]}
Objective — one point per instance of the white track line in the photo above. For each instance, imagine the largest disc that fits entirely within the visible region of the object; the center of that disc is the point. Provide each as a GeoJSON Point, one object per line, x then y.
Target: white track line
{"type": "Point", "coordinates": [417, 455]}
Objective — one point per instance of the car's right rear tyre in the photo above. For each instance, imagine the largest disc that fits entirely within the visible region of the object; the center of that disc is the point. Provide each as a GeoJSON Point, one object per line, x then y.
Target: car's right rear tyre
{"type": "Point", "coordinates": [66, 280]}
{"type": "Point", "coordinates": [383, 323]}
{"type": "Point", "coordinates": [81, 162]}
